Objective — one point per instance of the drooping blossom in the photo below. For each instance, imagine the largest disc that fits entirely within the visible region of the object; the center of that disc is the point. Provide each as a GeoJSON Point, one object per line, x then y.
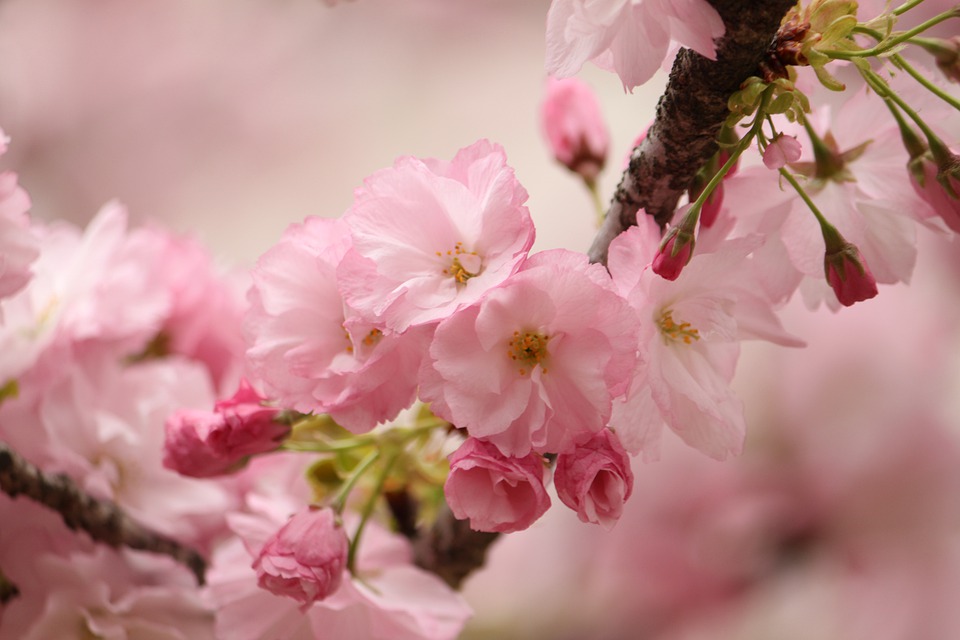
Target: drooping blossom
{"type": "Point", "coordinates": [689, 342]}
{"type": "Point", "coordinates": [782, 150]}
{"type": "Point", "coordinates": [312, 353]}
{"type": "Point", "coordinates": [630, 37]}
{"type": "Point", "coordinates": [675, 252]}
{"type": "Point", "coordinates": [306, 558]}
{"type": "Point", "coordinates": [924, 174]}
{"type": "Point", "coordinates": [536, 364]}
{"type": "Point", "coordinates": [595, 479]}
{"type": "Point", "coordinates": [849, 276]}
{"type": "Point", "coordinates": [496, 492]}
{"type": "Point", "coordinates": [574, 127]}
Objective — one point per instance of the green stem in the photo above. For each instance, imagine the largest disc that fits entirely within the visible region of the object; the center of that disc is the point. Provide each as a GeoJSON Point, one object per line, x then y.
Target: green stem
{"type": "Point", "coordinates": [368, 508]}
{"type": "Point", "coordinates": [598, 205]}
{"type": "Point", "coordinates": [939, 150]}
{"type": "Point", "coordinates": [893, 42]}
{"type": "Point", "coordinates": [831, 236]}
{"type": "Point", "coordinates": [340, 500]}
{"type": "Point", "coordinates": [940, 93]}
{"type": "Point", "coordinates": [906, 6]}
{"type": "Point", "coordinates": [326, 447]}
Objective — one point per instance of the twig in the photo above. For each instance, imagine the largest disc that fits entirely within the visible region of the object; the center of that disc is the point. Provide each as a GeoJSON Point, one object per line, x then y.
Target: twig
{"type": "Point", "coordinates": [103, 520]}
{"type": "Point", "coordinates": [689, 116]}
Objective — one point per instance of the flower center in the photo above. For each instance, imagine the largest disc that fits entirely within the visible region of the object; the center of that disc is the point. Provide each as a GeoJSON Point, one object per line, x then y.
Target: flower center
{"type": "Point", "coordinates": [528, 350]}
{"type": "Point", "coordinates": [464, 264]}
{"type": "Point", "coordinates": [368, 341]}
{"type": "Point", "coordinates": [676, 332]}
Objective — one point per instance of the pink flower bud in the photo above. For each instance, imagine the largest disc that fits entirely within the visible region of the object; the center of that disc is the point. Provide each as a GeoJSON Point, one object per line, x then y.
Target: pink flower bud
{"type": "Point", "coordinates": [305, 559]}
{"type": "Point", "coordinates": [675, 252]}
{"type": "Point", "coordinates": [496, 492]}
{"type": "Point", "coordinates": [595, 480]}
{"type": "Point", "coordinates": [247, 427]}
{"type": "Point", "coordinates": [185, 448]}
{"type": "Point", "coordinates": [574, 127]}
{"type": "Point", "coordinates": [201, 444]}
{"type": "Point", "coordinates": [781, 151]}
{"type": "Point", "coordinates": [929, 183]}
{"type": "Point", "coordinates": [848, 274]}
{"type": "Point", "coordinates": [712, 207]}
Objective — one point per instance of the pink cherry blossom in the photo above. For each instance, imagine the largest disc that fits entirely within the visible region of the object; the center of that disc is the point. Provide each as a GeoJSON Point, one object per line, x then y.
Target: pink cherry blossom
{"type": "Point", "coordinates": [313, 354]}
{"type": "Point", "coordinates": [782, 150]}
{"type": "Point", "coordinates": [631, 37]}
{"type": "Point", "coordinates": [595, 480]}
{"type": "Point", "coordinates": [305, 559]}
{"type": "Point", "coordinates": [574, 127]}
{"type": "Point", "coordinates": [849, 276]}
{"type": "Point", "coordinates": [496, 492]}
{"type": "Point", "coordinates": [431, 237]}
{"type": "Point", "coordinates": [689, 342]}
{"type": "Point", "coordinates": [204, 443]}
{"type": "Point", "coordinates": [537, 363]}
{"type": "Point", "coordinates": [18, 244]}
{"type": "Point", "coordinates": [923, 179]}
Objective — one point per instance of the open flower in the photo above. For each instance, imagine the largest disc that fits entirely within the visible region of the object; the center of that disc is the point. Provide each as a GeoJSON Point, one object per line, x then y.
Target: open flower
{"type": "Point", "coordinates": [631, 37]}
{"type": "Point", "coordinates": [431, 237]}
{"type": "Point", "coordinates": [537, 363]}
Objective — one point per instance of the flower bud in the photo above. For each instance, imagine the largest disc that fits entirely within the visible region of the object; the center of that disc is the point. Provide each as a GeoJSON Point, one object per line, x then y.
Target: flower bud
{"type": "Point", "coordinates": [574, 127]}
{"type": "Point", "coordinates": [675, 252]}
{"type": "Point", "coordinates": [595, 480]}
{"type": "Point", "coordinates": [848, 274]}
{"type": "Point", "coordinates": [781, 151]}
{"type": "Point", "coordinates": [946, 53]}
{"type": "Point", "coordinates": [201, 444]}
{"type": "Point", "coordinates": [496, 492]}
{"type": "Point", "coordinates": [934, 186]}
{"type": "Point", "coordinates": [306, 558]}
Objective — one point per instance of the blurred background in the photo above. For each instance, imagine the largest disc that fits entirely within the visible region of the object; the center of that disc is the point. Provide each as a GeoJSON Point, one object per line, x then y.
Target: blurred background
{"type": "Point", "coordinates": [230, 119]}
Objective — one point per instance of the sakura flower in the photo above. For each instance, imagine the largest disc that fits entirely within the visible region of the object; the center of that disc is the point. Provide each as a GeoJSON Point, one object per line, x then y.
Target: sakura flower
{"type": "Point", "coordinates": [203, 443]}
{"type": "Point", "coordinates": [689, 342]}
{"type": "Point", "coordinates": [782, 150]}
{"type": "Point", "coordinates": [431, 237]}
{"type": "Point", "coordinates": [631, 37]}
{"type": "Point", "coordinates": [388, 599]}
{"type": "Point", "coordinates": [536, 364]}
{"type": "Point", "coordinates": [924, 178]}
{"type": "Point", "coordinates": [18, 245]}
{"type": "Point", "coordinates": [574, 127]}
{"type": "Point", "coordinates": [313, 354]}
{"type": "Point", "coordinates": [595, 480]}
{"type": "Point", "coordinates": [496, 492]}
{"type": "Point", "coordinates": [305, 559]}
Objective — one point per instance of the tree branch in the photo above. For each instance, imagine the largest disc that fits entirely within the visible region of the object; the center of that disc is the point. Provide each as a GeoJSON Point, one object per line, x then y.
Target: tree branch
{"type": "Point", "coordinates": [103, 520]}
{"type": "Point", "coordinates": [451, 549]}
{"type": "Point", "coordinates": [689, 116]}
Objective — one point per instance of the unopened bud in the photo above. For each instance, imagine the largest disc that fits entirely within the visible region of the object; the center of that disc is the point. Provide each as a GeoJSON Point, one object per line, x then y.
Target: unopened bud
{"type": "Point", "coordinates": [574, 127]}
{"type": "Point", "coordinates": [848, 274]}
{"type": "Point", "coordinates": [675, 252]}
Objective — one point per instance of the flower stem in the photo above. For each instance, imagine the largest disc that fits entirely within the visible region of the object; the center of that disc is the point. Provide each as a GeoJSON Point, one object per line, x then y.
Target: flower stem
{"type": "Point", "coordinates": [919, 77]}
{"type": "Point", "coordinates": [883, 47]}
{"type": "Point", "coordinates": [906, 6]}
{"type": "Point", "coordinates": [831, 236]}
{"type": "Point", "coordinates": [367, 510]}
{"type": "Point", "coordinates": [340, 500]}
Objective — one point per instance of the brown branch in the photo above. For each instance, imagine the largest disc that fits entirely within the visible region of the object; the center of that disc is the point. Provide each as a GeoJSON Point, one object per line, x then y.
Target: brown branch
{"type": "Point", "coordinates": [451, 549]}
{"type": "Point", "coordinates": [103, 520]}
{"type": "Point", "coordinates": [689, 116]}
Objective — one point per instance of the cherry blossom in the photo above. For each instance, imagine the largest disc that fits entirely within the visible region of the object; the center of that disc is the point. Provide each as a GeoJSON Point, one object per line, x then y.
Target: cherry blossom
{"type": "Point", "coordinates": [311, 352]}
{"type": "Point", "coordinates": [496, 492]}
{"type": "Point", "coordinates": [595, 479]}
{"type": "Point", "coordinates": [574, 127]}
{"type": "Point", "coordinates": [471, 233]}
{"type": "Point", "coordinates": [537, 363]}
{"type": "Point", "coordinates": [631, 37]}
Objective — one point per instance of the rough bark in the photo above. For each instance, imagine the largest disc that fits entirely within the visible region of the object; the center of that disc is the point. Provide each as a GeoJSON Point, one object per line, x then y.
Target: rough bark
{"type": "Point", "coordinates": [451, 549]}
{"type": "Point", "coordinates": [689, 116]}
{"type": "Point", "coordinates": [102, 520]}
